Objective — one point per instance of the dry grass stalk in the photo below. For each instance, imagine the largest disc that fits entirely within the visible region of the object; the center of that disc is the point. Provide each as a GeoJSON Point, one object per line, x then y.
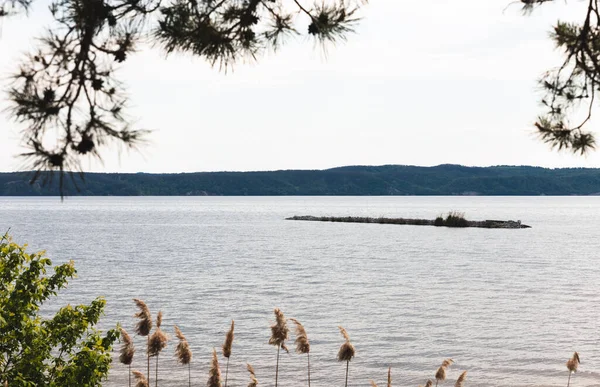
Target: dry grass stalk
{"type": "Point", "coordinates": [159, 319]}
{"type": "Point", "coordinates": [183, 352]}
{"type": "Point", "coordinates": [279, 330]}
{"type": "Point", "coordinates": [572, 365]}
{"type": "Point", "coordinates": [302, 344]}
{"type": "Point", "coordinates": [227, 348]}
{"type": "Point", "coordinates": [461, 379]}
{"type": "Point", "coordinates": [144, 326]}
{"type": "Point", "coordinates": [447, 363]}
{"type": "Point", "coordinates": [157, 342]}
{"type": "Point", "coordinates": [127, 349]}
{"type": "Point", "coordinates": [440, 374]}
{"type": "Point", "coordinates": [141, 379]}
{"type": "Point", "coordinates": [346, 352]}
{"type": "Point", "coordinates": [253, 380]}
{"type": "Point", "coordinates": [214, 373]}
{"type": "Point", "coordinates": [279, 333]}
{"type": "Point", "coordinates": [228, 341]}
{"type": "Point", "coordinates": [573, 362]}
{"type": "Point", "coordinates": [389, 383]}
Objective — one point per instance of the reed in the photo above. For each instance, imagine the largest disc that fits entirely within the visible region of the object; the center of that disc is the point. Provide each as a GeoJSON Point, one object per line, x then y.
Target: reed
{"type": "Point", "coordinates": [184, 353]}
{"type": "Point", "coordinates": [214, 373]}
{"type": "Point", "coordinates": [460, 382]}
{"type": "Point", "coordinates": [253, 380]}
{"type": "Point", "coordinates": [572, 365]}
{"type": "Point", "coordinates": [157, 342]}
{"type": "Point", "coordinates": [440, 375]}
{"type": "Point", "coordinates": [141, 379]}
{"type": "Point", "coordinates": [302, 343]}
{"type": "Point", "coordinates": [144, 326]}
{"type": "Point", "coordinates": [346, 352]}
{"type": "Point", "coordinates": [227, 349]}
{"type": "Point", "coordinates": [127, 351]}
{"type": "Point", "coordinates": [279, 334]}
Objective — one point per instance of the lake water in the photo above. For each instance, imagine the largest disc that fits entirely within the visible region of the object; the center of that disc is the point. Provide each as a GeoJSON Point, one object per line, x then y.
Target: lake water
{"type": "Point", "coordinates": [509, 306]}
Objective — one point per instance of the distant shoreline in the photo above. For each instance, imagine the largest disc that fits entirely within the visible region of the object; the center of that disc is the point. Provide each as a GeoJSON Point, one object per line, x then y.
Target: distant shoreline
{"type": "Point", "coordinates": [386, 180]}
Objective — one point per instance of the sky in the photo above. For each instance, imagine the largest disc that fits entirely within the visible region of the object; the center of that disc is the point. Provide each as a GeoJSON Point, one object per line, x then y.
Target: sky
{"type": "Point", "coordinates": [422, 82]}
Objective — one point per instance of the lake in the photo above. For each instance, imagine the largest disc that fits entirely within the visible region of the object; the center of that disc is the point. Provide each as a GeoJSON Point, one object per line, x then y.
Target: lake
{"type": "Point", "coordinates": [509, 306]}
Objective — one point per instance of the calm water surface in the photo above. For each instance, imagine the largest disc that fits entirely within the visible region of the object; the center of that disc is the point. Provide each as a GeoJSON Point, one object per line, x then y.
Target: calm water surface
{"type": "Point", "coordinates": [509, 306]}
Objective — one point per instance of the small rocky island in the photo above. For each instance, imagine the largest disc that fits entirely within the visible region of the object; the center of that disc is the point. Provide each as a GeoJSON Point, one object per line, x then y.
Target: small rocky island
{"type": "Point", "coordinates": [451, 220]}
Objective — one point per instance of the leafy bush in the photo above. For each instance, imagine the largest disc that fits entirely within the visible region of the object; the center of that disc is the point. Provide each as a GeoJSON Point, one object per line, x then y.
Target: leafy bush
{"type": "Point", "coordinates": [64, 350]}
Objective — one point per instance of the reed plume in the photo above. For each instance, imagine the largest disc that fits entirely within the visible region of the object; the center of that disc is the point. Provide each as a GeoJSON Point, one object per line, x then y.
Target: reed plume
{"type": "Point", "coordinates": [144, 326]}
{"type": "Point", "coordinates": [572, 365]}
{"type": "Point", "coordinates": [279, 334]}
{"type": "Point", "coordinates": [461, 379]}
{"type": "Point", "coordinates": [227, 349]}
{"type": "Point", "coordinates": [157, 342]}
{"type": "Point", "coordinates": [440, 375]}
{"type": "Point", "coordinates": [302, 344]}
{"type": "Point", "coordinates": [127, 351]}
{"type": "Point", "coordinates": [389, 383]}
{"type": "Point", "coordinates": [253, 380]}
{"type": "Point", "coordinates": [141, 379]}
{"type": "Point", "coordinates": [346, 352]}
{"type": "Point", "coordinates": [184, 353]}
{"type": "Point", "coordinates": [214, 373]}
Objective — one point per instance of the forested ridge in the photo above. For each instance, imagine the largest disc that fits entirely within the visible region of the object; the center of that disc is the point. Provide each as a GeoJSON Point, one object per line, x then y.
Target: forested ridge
{"type": "Point", "coordinates": [351, 180]}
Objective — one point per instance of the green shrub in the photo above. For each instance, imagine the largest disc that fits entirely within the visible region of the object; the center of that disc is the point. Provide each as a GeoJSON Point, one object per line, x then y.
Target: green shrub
{"type": "Point", "coordinates": [64, 350]}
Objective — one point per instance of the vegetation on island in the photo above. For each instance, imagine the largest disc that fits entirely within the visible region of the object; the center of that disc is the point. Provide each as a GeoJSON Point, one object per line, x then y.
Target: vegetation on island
{"type": "Point", "coordinates": [453, 219]}
{"type": "Point", "coordinates": [351, 180]}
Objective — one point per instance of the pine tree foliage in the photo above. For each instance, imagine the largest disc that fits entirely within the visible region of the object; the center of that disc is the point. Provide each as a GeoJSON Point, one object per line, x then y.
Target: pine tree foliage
{"type": "Point", "coordinates": [67, 94]}
{"type": "Point", "coordinates": [573, 85]}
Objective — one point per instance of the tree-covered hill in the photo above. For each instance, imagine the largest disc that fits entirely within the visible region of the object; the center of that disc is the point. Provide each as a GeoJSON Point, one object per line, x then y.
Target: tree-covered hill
{"type": "Point", "coordinates": [351, 180]}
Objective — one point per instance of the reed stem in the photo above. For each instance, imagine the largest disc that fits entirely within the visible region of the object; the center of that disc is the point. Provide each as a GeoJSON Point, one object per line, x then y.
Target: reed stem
{"type": "Point", "coordinates": [347, 366]}
{"type": "Point", "coordinates": [148, 359]}
{"type": "Point", "coordinates": [226, 371]}
{"type": "Point", "coordinates": [277, 366]}
{"type": "Point", "coordinates": [308, 356]}
{"type": "Point", "coordinates": [156, 377]}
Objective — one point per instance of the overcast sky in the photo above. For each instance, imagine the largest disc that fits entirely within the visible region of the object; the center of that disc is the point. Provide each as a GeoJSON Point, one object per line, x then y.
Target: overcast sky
{"type": "Point", "coordinates": [423, 82]}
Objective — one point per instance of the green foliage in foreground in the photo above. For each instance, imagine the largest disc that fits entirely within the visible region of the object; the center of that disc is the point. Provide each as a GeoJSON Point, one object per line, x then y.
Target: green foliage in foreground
{"type": "Point", "coordinates": [63, 350]}
{"type": "Point", "coordinates": [351, 180]}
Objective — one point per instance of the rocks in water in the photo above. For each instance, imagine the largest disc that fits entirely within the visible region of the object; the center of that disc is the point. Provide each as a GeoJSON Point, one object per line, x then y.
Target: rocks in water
{"type": "Point", "coordinates": [415, 222]}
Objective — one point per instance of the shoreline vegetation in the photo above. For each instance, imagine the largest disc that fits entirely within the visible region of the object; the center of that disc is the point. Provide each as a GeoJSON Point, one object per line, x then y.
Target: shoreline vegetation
{"type": "Point", "coordinates": [453, 219]}
{"type": "Point", "coordinates": [385, 180]}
